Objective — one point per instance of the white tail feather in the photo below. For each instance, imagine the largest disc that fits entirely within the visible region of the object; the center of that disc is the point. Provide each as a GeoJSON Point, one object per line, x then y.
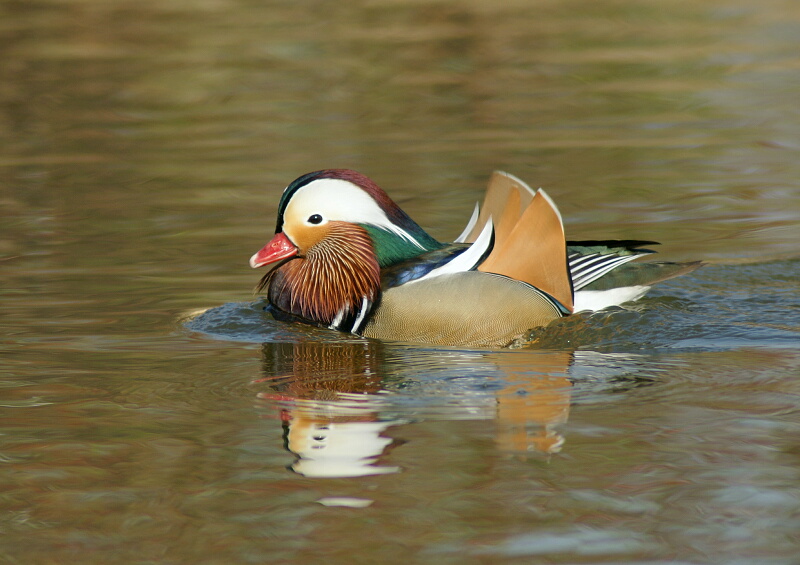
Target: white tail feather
{"type": "Point", "coordinates": [594, 300]}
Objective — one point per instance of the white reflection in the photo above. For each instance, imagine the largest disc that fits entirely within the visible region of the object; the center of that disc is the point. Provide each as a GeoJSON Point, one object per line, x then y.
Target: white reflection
{"type": "Point", "coordinates": [338, 438]}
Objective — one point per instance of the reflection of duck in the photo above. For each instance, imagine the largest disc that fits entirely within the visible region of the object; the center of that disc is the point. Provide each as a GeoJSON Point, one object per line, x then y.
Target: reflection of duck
{"type": "Point", "coordinates": [332, 422]}
{"type": "Point", "coordinates": [346, 445]}
{"type": "Point", "coordinates": [336, 407]}
{"type": "Point", "coordinates": [348, 258]}
{"type": "Point", "coordinates": [315, 370]}
{"type": "Point", "coordinates": [530, 409]}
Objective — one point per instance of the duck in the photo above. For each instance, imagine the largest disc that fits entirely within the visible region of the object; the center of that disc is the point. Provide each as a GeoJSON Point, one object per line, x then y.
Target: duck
{"type": "Point", "coordinates": [346, 257]}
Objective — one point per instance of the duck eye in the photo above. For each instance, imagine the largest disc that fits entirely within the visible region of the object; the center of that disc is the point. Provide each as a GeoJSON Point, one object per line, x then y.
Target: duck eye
{"type": "Point", "coordinates": [314, 219]}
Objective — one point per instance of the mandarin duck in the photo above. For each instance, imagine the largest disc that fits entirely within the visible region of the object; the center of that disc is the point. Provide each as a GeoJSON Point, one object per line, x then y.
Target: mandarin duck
{"type": "Point", "coordinates": [346, 257]}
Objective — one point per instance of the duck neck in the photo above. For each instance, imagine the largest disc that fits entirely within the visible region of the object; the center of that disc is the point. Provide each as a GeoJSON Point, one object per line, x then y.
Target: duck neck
{"type": "Point", "coordinates": [334, 284]}
{"type": "Point", "coordinates": [391, 248]}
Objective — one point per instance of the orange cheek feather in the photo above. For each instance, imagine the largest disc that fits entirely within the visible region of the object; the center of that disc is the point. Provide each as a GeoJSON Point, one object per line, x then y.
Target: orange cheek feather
{"type": "Point", "coordinates": [305, 237]}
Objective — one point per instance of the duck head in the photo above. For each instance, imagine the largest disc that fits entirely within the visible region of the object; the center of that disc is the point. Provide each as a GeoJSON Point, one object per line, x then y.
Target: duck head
{"type": "Point", "coordinates": [336, 229]}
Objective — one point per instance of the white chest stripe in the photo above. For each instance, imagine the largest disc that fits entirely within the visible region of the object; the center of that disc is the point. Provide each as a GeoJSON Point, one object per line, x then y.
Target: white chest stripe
{"type": "Point", "coordinates": [365, 304]}
{"type": "Point", "coordinates": [339, 317]}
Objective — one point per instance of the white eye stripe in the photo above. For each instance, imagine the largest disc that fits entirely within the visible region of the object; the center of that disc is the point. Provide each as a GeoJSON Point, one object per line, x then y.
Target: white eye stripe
{"type": "Point", "coordinates": [338, 200]}
{"type": "Point", "coordinates": [341, 201]}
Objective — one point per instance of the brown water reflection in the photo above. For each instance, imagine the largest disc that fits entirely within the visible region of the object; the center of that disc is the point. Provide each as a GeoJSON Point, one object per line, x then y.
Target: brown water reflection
{"type": "Point", "coordinates": [333, 403]}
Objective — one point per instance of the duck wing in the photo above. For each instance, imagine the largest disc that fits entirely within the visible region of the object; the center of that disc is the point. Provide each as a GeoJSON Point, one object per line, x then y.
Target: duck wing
{"type": "Point", "coordinates": [592, 259]}
{"type": "Point", "coordinates": [504, 202]}
{"type": "Point", "coordinates": [529, 242]}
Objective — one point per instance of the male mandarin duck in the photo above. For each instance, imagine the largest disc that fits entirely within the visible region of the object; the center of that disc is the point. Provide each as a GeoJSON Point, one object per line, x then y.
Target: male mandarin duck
{"type": "Point", "coordinates": [346, 257]}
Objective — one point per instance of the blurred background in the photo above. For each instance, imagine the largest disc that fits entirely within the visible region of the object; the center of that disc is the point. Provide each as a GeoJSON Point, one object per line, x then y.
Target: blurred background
{"type": "Point", "coordinates": [143, 149]}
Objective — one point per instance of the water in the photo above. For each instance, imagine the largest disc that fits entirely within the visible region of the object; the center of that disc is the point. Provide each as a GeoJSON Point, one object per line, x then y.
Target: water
{"type": "Point", "coordinates": [151, 413]}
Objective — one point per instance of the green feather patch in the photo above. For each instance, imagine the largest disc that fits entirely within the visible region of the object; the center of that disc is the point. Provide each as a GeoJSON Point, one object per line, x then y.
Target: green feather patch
{"type": "Point", "coordinates": [390, 248]}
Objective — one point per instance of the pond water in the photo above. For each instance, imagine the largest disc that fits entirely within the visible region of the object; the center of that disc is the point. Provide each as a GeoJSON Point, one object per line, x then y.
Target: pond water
{"type": "Point", "coordinates": [151, 412]}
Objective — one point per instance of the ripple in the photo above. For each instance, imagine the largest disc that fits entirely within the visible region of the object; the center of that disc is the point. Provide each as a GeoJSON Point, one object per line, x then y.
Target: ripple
{"type": "Point", "coordinates": [249, 322]}
{"type": "Point", "coordinates": [577, 541]}
{"type": "Point", "coordinates": [696, 312]}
